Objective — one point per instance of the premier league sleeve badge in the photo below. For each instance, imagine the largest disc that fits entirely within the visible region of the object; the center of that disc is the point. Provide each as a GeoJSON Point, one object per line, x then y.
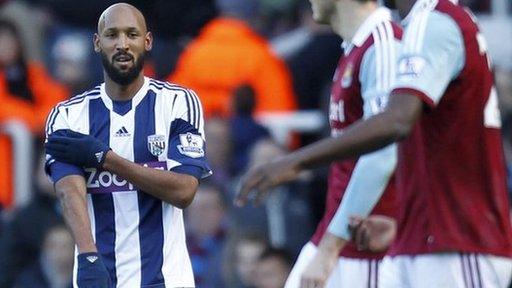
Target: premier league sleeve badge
{"type": "Point", "coordinates": [191, 145]}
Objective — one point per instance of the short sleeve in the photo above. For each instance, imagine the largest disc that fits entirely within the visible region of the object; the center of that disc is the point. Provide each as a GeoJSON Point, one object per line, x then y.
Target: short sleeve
{"type": "Point", "coordinates": [377, 72]}
{"type": "Point", "coordinates": [187, 142]}
{"type": "Point", "coordinates": [432, 56]}
{"type": "Point", "coordinates": [56, 170]}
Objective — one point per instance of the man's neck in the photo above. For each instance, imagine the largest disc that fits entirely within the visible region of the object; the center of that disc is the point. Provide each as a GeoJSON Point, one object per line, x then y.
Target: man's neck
{"type": "Point", "coordinates": [404, 7]}
{"type": "Point", "coordinates": [119, 92]}
{"type": "Point", "coordinates": [347, 20]}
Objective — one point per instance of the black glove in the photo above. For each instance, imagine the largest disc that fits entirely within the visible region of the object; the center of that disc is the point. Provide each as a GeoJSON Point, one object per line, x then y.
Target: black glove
{"type": "Point", "coordinates": [92, 273]}
{"type": "Point", "coordinates": [76, 148]}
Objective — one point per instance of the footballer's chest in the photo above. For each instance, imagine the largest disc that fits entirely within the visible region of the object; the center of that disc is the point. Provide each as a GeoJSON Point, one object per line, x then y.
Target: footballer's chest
{"type": "Point", "coordinates": [346, 104]}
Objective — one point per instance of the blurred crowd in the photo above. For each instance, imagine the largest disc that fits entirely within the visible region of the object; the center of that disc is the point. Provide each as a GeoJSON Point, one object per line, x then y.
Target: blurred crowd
{"type": "Point", "coordinates": [253, 63]}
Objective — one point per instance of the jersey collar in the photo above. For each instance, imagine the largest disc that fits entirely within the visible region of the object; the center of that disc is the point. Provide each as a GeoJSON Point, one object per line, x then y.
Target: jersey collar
{"type": "Point", "coordinates": [380, 15]}
{"type": "Point", "coordinates": [135, 100]}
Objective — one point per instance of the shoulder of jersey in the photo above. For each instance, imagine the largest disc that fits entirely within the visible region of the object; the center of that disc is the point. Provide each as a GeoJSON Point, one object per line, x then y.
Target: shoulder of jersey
{"type": "Point", "coordinates": [92, 93]}
{"type": "Point", "coordinates": [385, 32]}
{"type": "Point", "coordinates": [159, 86]}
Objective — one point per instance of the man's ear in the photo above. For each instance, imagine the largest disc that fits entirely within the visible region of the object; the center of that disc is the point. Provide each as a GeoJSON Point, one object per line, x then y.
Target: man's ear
{"type": "Point", "coordinates": [96, 42]}
{"type": "Point", "coordinates": [148, 42]}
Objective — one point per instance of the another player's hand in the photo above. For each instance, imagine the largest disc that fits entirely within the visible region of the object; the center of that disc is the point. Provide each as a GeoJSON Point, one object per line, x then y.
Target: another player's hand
{"type": "Point", "coordinates": [75, 148]}
{"type": "Point", "coordinates": [318, 270]}
{"type": "Point", "coordinates": [259, 180]}
{"type": "Point", "coordinates": [375, 233]}
{"type": "Point", "coordinates": [92, 273]}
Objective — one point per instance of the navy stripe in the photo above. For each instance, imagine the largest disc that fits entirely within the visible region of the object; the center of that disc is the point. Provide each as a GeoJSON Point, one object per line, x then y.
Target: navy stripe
{"type": "Point", "coordinates": [193, 121]}
{"type": "Point", "coordinates": [463, 270]}
{"type": "Point", "coordinates": [48, 121]}
{"type": "Point", "coordinates": [470, 270]}
{"type": "Point", "coordinates": [188, 110]}
{"type": "Point", "coordinates": [160, 85]}
{"type": "Point", "coordinates": [369, 274]}
{"type": "Point", "coordinates": [167, 87]}
{"type": "Point", "coordinates": [156, 86]}
{"type": "Point", "coordinates": [151, 232]}
{"type": "Point", "coordinates": [198, 107]}
{"type": "Point", "coordinates": [72, 101]}
{"type": "Point", "coordinates": [170, 88]}
{"type": "Point", "coordinates": [174, 100]}
{"type": "Point", "coordinates": [79, 100]}
{"type": "Point", "coordinates": [200, 111]}
{"type": "Point", "coordinates": [478, 271]}
{"type": "Point", "coordinates": [193, 115]}
{"type": "Point", "coordinates": [103, 203]}
{"type": "Point", "coordinates": [377, 263]}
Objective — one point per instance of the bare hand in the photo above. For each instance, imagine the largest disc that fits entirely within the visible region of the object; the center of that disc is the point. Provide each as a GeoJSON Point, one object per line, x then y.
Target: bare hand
{"type": "Point", "coordinates": [259, 180]}
{"type": "Point", "coordinates": [318, 270]}
{"type": "Point", "coordinates": [375, 233]}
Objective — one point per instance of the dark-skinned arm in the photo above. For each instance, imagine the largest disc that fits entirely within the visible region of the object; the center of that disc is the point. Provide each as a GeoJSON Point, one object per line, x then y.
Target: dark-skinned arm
{"type": "Point", "coordinates": [364, 136]}
{"type": "Point", "coordinates": [392, 125]}
{"type": "Point", "coordinates": [174, 188]}
{"type": "Point", "coordinates": [71, 191]}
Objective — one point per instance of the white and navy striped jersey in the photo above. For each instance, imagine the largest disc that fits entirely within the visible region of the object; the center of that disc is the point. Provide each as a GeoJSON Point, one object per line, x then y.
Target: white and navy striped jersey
{"type": "Point", "coordinates": [140, 238]}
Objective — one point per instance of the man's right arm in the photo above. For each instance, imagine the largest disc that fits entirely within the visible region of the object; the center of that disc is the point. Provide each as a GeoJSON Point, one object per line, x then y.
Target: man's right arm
{"type": "Point", "coordinates": [71, 191]}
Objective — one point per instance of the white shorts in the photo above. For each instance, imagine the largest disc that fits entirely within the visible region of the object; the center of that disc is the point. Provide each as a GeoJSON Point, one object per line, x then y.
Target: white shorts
{"type": "Point", "coordinates": [349, 273]}
{"type": "Point", "coordinates": [445, 270]}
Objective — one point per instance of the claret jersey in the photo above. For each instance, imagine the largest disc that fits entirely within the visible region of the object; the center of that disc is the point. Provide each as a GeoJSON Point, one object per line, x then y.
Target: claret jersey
{"type": "Point", "coordinates": [451, 178]}
{"type": "Point", "coordinates": [360, 89]}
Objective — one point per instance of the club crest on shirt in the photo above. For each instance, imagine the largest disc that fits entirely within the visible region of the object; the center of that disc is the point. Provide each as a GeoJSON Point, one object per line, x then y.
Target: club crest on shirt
{"type": "Point", "coordinates": [156, 144]}
{"type": "Point", "coordinates": [346, 79]}
{"type": "Point", "coordinates": [191, 145]}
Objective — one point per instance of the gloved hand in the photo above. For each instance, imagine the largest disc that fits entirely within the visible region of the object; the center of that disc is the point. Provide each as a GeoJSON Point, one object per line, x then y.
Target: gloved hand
{"type": "Point", "coordinates": [92, 273]}
{"type": "Point", "coordinates": [76, 148]}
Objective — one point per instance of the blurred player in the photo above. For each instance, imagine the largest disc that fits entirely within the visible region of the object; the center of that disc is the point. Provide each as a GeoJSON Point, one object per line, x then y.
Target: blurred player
{"type": "Point", "coordinates": [126, 157]}
{"type": "Point", "coordinates": [453, 225]}
{"type": "Point", "coordinates": [360, 88]}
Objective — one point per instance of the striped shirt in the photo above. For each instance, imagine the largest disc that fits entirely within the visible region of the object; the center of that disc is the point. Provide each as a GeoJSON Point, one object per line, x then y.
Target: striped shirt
{"type": "Point", "coordinates": [141, 239]}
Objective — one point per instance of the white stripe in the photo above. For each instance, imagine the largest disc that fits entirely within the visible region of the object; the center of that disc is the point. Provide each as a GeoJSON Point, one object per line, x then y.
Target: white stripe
{"type": "Point", "coordinates": [176, 268]}
{"type": "Point", "coordinates": [410, 38]}
{"type": "Point", "coordinates": [385, 56]}
{"type": "Point", "coordinates": [378, 61]}
{"type": "Point", "coordinates": [127, 246]}
{"type": "Point", "coordinates": [162, 125]}
{"type": "Point", "coordinates": [472, 260]}
{"type": "Point", "coordinates": [467, 271]}
{"type": "Point", "coordinates": [200, 111]}
{"type": "Point", "coordinates": [196, 109]}
{"type": "Point", "coordinates": [392, 54]}
{"type": "Point", "coordinates": [413, 33]}
{"type": "Point", "coordinates": [423, 29]}
{"type": "Point", "coordinates": [126, 210]}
